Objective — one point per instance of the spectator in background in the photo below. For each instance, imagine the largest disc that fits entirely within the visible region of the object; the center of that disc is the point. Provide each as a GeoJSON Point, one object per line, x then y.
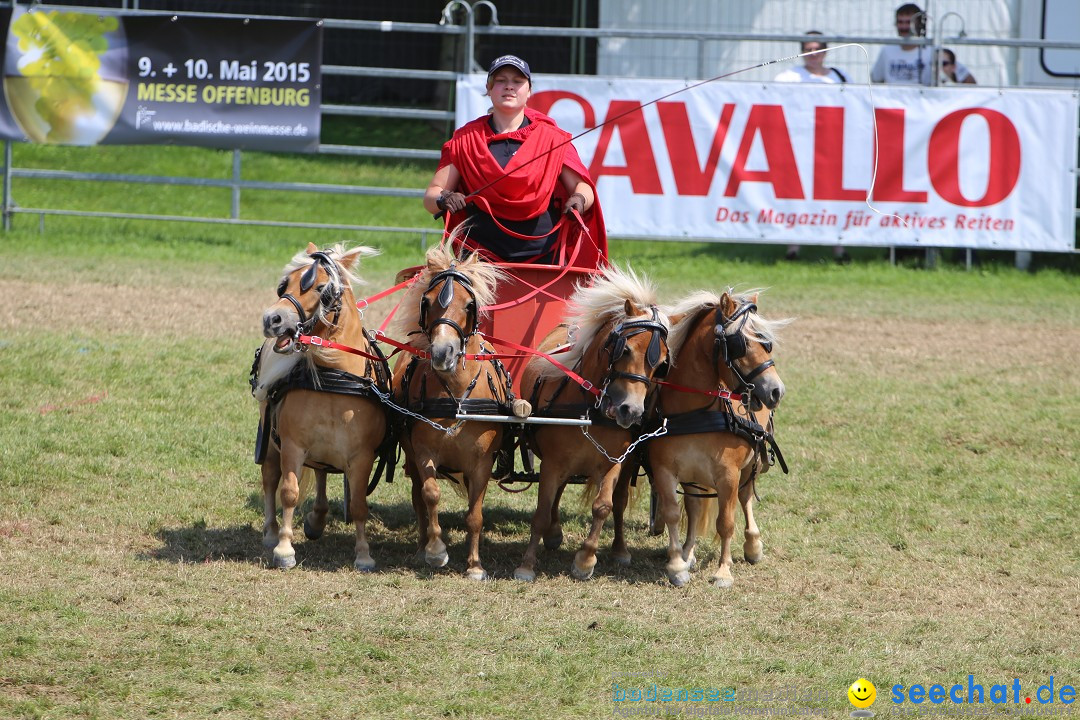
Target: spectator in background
{"type": "Point", "coordinates": [952, 72]}
{"type": "Point", "coordinates": [905, 64]}
{"type": "Point", "coordinates": [813, 69]}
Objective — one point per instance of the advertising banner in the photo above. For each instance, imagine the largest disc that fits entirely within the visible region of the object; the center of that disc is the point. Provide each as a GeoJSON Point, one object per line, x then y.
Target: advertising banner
{"type": "Point", "coordinates": [77, 78]}
{"type": "Point", "coordinates": [796, 163]}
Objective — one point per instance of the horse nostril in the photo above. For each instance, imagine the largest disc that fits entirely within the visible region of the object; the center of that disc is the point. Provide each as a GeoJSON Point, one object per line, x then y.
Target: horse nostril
{"type": "Point", "coordinates": [775, 396]}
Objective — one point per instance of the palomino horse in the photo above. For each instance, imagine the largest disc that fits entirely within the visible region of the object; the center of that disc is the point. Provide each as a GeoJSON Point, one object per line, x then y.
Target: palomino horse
{"type": "Point", "coordinates": [445, 304]}
{"type": "Point", "coordinates": [619, 342]}
{"type": "Point", "coordinates": [714, 442]}
{"type": "Point", "coordinates": [321, 412]}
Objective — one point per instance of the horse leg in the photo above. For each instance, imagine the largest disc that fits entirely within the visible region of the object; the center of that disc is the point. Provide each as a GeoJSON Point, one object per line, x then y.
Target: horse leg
{"type": "Point", "coordinates": [665, 483]}
{"type": "Point", "coordinates": [551, 487]}
{"type": "Point", "coordinates": [315, 521]}
{"type": "Point", "coordinates": [554, 536]}
{"type": "Point", "coordinates": [418, 507]}
{"type": "Point", "coordinates": [435, 549]}
{"type": "Point", "coordinates": [695, 506]}
{"type": "Point", "coordinates": [620, 499]}
{"type": "Point", "coordinates": [752, 547]}
{"type": "Point", "coordinates": [726, 495]}
{"type": "Point", "coordinates": [271, 476]}
{"type": "Point", "coordinates": [585, 558]}
{"type": "Point", "coordinates": [358, 470]}
{"type": "Point", "coordinates": [292, 464]}
{"type": "Point", "coordinates": [474, 519]}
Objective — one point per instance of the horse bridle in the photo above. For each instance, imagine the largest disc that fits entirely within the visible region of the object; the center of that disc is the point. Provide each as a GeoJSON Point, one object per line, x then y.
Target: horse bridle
{"type": "Point", "coordinates": [450, 277]}
{"type": "Point", "coordinates": [329, 298]}
{"type": "Point", "coordinates": [732, 345]}
{"type": "Point", "coordinates": [616, 345]}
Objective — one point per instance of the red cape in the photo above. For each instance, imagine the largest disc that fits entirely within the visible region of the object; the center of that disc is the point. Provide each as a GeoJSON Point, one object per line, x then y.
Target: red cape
{"type": "Point", "coordinates": [523, 189]}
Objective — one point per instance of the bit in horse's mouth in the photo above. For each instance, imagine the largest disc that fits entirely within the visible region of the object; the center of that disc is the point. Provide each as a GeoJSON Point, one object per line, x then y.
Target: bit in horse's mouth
{"type": "Point", "coordinates": [285, 342]}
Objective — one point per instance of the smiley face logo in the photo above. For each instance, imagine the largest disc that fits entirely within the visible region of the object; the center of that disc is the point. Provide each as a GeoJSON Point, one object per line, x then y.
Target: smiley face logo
{"type": "Point", "coordinates": [862, 693]}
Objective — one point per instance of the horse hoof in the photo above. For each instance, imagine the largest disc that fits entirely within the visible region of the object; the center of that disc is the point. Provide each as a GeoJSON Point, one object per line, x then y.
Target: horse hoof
{"type": "Point", "coordinates": [284, 562]}
{"type": "Point", "coordinates": [311, 532]}
{"type": "Point", "coordinates": [580, 574]}
{"type": "Point", "coordinates": [437, 561]}
{"type": "Point", "coordinates": [622, 559]}
{"type": "Point", "coordinates": [679, 579]}
{"type": "Point", "coordinates": [722, 582]}
{"type": "Point", "coordinates": [270, 541]}
{"type": "Point", "coordinates": [364, 565]}
{"type": "Point", "coordinates": [755, 559]}
{"type": "Point", "coordinates": [525, 575]}
{"type": "Point", "coordinates": [553, 541]}
{"type": "Point", "coordinates": [478, 574]}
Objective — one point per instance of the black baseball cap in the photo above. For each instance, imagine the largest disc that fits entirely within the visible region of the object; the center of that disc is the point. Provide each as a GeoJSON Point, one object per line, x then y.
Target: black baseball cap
{"type": "Point", "coordinates": [512, 60]}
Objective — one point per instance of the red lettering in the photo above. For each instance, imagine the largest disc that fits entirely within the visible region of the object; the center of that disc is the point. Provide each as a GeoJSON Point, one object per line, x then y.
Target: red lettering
{"type": "Point", "coordinates": [626, 117]}
{"type": "Point", "coordinates": [829, 156]}
{"type": "Point", "coordinates": [890, 170]}
{"type": "Point", "coordinates": [543, 102]}
{"type": "Point", "coordinates": [1003, 170]}
{"type": "Point", "coordinates": [767, 121]}
{"type": "Point", "coordinates": [690, 178]}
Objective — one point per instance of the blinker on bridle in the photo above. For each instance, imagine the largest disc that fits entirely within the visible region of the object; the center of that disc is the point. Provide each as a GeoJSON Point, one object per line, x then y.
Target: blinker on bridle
{"type": "Point", "coordinates": [621, 333]}
{"type": "Point", "coordinates": [733, 345]}
{"type": "Point", "coordinates": [329, 299]}
{"type": "Point", "coordinates": [449, 277]}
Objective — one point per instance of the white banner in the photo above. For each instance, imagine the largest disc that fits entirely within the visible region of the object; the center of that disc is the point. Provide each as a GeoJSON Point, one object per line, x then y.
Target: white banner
{"type": "Point", "coordinates": [794, 163]}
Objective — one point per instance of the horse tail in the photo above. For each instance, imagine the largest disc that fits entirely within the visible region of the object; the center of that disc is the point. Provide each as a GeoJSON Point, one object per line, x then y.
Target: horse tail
{"type": "Point", "coordinates": [708, 512]}
{"type": "Point", "coordinates": [458, 482]}
{"type": "Point", "coordinates": [589, 492]}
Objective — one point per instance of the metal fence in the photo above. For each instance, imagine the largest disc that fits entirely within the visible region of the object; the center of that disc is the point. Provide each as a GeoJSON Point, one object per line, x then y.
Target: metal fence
{"type": "Point", "coordinates": [464, 25]}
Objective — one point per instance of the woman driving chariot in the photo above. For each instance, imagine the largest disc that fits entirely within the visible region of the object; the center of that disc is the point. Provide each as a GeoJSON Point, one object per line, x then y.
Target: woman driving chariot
{"type": "Point", "coordinates": [512, 175]}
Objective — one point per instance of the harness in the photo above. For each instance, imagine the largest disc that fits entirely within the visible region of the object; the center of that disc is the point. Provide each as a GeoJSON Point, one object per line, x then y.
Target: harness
{"type": "Point", "coordinates": [442, 407]}
{"type": "Point", "coordinates": [374, 382]}
{"type": "Point", "coordinates": [329, 299]}
{"type": "Point", "coordinates": [719, 415]}
{"type": "Point", "coordinates": [615, 345]}
{"type": "Point", "coordinates": [732, 345]}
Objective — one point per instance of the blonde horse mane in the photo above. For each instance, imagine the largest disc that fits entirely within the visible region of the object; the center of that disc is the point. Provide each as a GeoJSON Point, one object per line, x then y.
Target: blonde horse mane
{"type": "Point", "coordinates": [484, 276]}
{"type": "Point", "coordinates": [347, 276]}
{"type": "Point", "coordinates": [690, 308]}
{"type": "Point", "coordinates": [591, 307]}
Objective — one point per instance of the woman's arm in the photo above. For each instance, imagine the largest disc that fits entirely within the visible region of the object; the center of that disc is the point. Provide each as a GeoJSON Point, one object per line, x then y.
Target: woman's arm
{"type": "Point", "coordinates": [446, 178]}
{"type": "Point", "coordinates": [574, 183]}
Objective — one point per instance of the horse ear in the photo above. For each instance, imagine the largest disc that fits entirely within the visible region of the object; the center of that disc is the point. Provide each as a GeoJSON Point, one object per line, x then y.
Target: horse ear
{"type": "Point", "coordinates": [727, 305]}
{"type": "Point", "coordinates": [312, 248]}
{"type": "Point", "coordinates": [753, 299]}
{"type": "Point", "coordinates": [350, 258]}
{"type": "Point", "coordinates": [629, 309]}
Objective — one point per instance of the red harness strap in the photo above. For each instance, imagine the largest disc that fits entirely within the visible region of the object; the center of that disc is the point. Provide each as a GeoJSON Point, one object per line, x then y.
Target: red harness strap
{"type": "Point", "coordinates": [726, 394]}
{"type": "Point", "coordinates": [361, 304]}
{"type": "Point", "coordinates": [585, 384]}
{"type": "Point", "coordinates": [320, 342]}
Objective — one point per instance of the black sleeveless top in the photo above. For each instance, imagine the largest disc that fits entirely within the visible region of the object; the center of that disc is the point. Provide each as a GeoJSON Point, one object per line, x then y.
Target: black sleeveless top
{"type": "Point", "coordinates": [483, 231]}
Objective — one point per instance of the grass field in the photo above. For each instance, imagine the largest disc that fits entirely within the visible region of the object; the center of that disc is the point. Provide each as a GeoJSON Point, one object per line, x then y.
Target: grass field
{"type": "Point", "coordinates": [927, 531]}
